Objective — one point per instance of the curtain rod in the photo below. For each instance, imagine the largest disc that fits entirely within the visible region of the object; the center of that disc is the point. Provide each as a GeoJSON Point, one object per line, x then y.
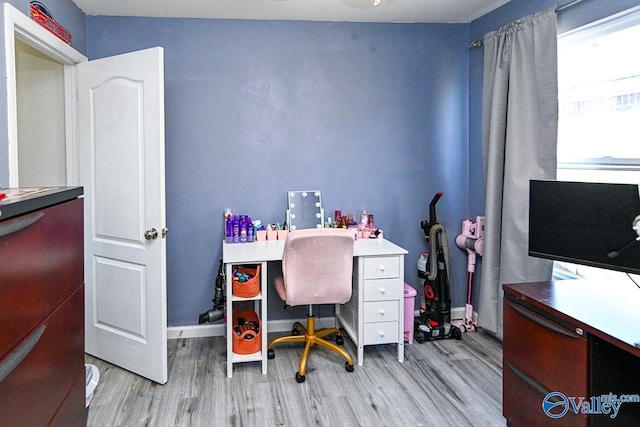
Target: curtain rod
{"type": "Point", "coordinates": [478, 43]}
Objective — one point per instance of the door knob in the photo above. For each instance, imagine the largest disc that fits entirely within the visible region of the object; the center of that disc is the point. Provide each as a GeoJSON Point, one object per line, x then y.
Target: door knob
{"type": "Point", "coordinates": [151, 233]}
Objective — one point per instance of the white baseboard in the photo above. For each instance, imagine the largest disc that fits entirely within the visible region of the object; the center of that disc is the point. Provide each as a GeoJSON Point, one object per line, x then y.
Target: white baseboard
{"type": "Point", "coordinates": [457, 313]}
{"type": "Point", "coordinates": [283, 325]}
{"type": "Point", "coordinates": [217, 329]}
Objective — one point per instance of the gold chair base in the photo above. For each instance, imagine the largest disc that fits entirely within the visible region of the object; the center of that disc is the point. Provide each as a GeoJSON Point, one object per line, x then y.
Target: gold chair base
{"type": "Point", "coordinates": [310, 337]}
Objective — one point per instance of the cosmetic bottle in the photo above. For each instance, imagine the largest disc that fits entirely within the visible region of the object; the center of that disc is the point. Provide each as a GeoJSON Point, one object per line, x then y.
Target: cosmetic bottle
{"type": "Point", "coordinates": [364, 218]}
{"type": "Point", "coordinates": [228, 237]}
{"type": "Point", "coordinates": [243, 229]}
{"type": "Point", "coordinates": [236, 229]}
{"type": "Point", "coordinates": [250, 229]}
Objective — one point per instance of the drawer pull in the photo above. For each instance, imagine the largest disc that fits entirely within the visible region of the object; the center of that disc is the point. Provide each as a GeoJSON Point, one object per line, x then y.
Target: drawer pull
{"type": "Point", "coordinates": [381, 333]}
{"type": "Point", "coordinates": [20, 353]}
{"type": "Point", "coordinates": [381, 268]}
{"type": "Point", "coordinates": [528, 380]}
{"type": "Point", "coordinates": [542, 321]}
{"type": "Point", "coordinates": [381, 311]}
{"type": "Point", "coordinates": [19, 224]}
{"type": "Point", "coordinates": [383, 291]}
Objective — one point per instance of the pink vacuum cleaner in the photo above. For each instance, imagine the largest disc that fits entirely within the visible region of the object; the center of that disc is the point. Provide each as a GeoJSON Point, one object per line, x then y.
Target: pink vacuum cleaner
{"type": "Point", "coordinates": [470, 240]}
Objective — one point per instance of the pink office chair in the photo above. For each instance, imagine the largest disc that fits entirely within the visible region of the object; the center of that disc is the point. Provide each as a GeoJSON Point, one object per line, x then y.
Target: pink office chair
{"type": "Point", "coordinates": [317, 266]}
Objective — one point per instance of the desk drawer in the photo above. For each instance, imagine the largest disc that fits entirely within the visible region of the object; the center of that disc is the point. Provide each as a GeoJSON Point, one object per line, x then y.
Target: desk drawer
{"type": "Point", "coordinates": [545, 351]}
{"type": "Point", "coordinates": [522, 402]}
{"type": "Point", "coordinates": [42, 264]}
{"type": "Point", "coordinates": [380, 311]}
{"type": "Point", "coordinates": [380, 333]}
{"type": "Point", "coordinates": [381, 267]}
{"type": "Point", "coordinates": [34, 387]}
{"type": "Point", "coordinates": [382, 289]}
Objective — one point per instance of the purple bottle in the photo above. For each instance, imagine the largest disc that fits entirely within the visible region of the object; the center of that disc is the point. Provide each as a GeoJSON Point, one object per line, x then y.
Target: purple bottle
{"type": "Point", "coordinates": [250, 230]}
{"type": "Point", "coordinates": [236, 229]}
{"type": "Point", "coordinates": [228, 237]}
{"type": "Point", "coordinates": [243, 229]}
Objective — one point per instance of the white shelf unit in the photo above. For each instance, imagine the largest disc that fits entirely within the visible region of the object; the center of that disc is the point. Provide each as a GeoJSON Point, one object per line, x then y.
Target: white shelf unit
{"type": "Point", "coordinates": [259, 305]}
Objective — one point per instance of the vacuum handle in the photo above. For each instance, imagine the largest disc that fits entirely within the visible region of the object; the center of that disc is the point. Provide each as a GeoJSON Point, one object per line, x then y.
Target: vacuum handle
{"type": "Point", "coordinates": [432, 207]}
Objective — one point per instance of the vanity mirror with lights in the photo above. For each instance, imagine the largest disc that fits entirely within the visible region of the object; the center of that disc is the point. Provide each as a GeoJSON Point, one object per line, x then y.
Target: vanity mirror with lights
{"type": "Point", "coordinates": [304, 210]}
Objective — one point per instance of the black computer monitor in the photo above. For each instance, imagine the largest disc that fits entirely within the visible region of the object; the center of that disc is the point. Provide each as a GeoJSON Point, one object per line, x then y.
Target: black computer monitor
{"type": "Point", "coordinates": [585, 223]}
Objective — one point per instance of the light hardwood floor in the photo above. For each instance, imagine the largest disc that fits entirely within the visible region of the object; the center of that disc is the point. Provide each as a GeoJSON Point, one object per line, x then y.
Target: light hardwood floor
{"type": "Point", "coordinates": [441, 383]}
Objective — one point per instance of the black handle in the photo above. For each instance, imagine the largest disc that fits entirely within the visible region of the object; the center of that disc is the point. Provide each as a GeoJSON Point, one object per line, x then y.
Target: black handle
{"type": "Point", "coordinates": [20, 353]}
{"type": "Point", "coordinates": [542, 321]}
{"type": "Point", "coordinates": [19, 224]}
{"type": "Point", "coordinates": [432, 207]}
{"type": "Point", "coordinates": [527, 379]}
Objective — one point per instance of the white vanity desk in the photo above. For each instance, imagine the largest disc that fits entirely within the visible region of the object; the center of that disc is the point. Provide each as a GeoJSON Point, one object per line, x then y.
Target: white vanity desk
{"type": "Point", "coordinates": [374, 315]}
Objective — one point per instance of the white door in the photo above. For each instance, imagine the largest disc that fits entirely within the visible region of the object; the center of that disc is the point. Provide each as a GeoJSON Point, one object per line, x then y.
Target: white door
{"type": "Point", "coordinates": [121, 153]}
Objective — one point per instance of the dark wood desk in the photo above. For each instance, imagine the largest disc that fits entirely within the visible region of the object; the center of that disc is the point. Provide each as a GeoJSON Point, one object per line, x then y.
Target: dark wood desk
{"type": "Point", "coordinates": [579, 338]}
{"type": "Point", "coordinates": [42, 372]}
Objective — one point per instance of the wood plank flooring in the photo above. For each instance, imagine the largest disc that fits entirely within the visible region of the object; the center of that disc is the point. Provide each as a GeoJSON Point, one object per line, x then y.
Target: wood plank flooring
{"type": "Point", "coordinates": [441, 383]}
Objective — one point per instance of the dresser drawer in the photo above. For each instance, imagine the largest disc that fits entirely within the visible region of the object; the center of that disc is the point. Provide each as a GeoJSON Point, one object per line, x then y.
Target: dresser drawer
{"type": "Point", "coordinates": [380, 311]}
{"type": "Point", "coordinates": [381, 267]}
{"type": "Point", "coordinates": [382, 289]}
{"type": "Point", "coordinates": [543, 350]}
{"type": "Point", "coordinates": [522, 402]}
{"type": "Point", "coordinates": [42, 264]}
{"type": "Point", "coordinates": [34, 387]}
{"type": "Point", "coordinates": [380, 333]}
{"type": "Point", "coordinates": [73, 410]}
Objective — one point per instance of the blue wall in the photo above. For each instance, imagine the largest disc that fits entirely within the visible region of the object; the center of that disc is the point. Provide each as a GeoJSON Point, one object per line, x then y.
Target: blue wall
{"type": "Point", "coordinates": [373, 115]}
{"type": "Point", "coordinates": [67, 14]}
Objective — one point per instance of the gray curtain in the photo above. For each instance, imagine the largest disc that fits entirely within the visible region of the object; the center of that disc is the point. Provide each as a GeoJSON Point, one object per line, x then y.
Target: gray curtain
{"type": "Point", "coordinates": [519, 134]}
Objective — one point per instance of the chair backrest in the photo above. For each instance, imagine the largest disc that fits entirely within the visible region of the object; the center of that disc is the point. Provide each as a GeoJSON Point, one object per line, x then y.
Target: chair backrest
{"type": "Point", "coordinates": [317, 266]}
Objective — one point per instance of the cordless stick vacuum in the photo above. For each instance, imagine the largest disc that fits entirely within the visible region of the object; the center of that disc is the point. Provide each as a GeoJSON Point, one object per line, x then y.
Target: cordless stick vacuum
{"type": "Point", "coordinates": [471, 240]}
{"type": "Point", "coordinates": [217, 312]}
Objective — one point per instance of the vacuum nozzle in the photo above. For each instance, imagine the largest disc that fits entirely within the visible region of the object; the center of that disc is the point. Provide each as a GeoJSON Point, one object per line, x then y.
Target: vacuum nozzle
{"type": "Point", "coordinates": [210, 316]}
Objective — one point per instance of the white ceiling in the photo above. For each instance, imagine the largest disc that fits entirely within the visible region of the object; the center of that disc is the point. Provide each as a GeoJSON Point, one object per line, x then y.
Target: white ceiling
{"type": "Point", "coordinates": [431, 11]}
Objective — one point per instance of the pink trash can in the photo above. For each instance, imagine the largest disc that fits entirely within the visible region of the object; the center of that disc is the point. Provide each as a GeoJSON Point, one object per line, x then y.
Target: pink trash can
{"type": "Point", "coordinates": [409, 307]}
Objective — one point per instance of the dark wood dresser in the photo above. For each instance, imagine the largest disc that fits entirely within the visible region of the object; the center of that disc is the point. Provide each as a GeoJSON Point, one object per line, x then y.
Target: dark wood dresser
{"type": "Point", "coordinates": [42, 373]}
{"type": "Point", "coordinates": [571, 344]}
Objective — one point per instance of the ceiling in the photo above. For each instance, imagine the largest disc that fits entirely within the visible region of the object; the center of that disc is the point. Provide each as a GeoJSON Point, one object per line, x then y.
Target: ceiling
{"type": "Point", "coordinates": [430, 11]}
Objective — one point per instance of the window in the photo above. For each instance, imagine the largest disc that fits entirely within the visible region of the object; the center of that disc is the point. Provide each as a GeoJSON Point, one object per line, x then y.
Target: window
{"type": "Point", "coordinates": [599, 110]}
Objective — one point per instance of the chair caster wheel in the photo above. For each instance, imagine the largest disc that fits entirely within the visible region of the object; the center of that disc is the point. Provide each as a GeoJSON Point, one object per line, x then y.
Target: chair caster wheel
{"type": "Point", "coordinates": [348, 366]}
{"type": "Point", "coordinates": [271, 354]}
{"type": "Point", "coordinates": [339, 340]}
{"type": "Point", "coordinates": [299, 378]}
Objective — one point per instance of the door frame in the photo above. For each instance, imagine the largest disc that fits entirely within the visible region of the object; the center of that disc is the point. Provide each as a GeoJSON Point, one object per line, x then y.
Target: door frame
{"type": "Point", "coordinates": [18, 25]}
